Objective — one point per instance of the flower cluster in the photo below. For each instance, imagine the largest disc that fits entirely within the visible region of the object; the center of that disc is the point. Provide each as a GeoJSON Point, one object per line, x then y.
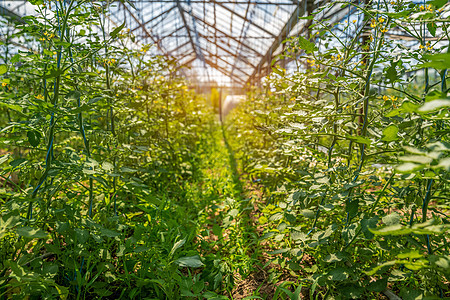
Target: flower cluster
{"type": "Point", "coordinates": [427, 46]}
{"type": "Point", "coordinates": [337, 57]}
{"type": "Point", "coordinates": [48, 36]}
{"type": "Point", "coordinates": [108, 62]}
{"type": "Point", "coordinates": [374, 23]}
{"type": "Point", "coordinates": [426, 8]}
{"type": "Point", "coordinates": [392, 98]}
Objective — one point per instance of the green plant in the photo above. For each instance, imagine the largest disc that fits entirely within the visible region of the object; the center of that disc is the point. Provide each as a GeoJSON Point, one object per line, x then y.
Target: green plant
{"type": "Point", "coordinates": [344, 145]}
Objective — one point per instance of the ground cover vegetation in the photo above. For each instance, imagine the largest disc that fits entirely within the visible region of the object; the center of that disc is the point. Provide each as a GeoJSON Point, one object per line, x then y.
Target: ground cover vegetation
{"type": "Point", "coordinates": [117, 181]}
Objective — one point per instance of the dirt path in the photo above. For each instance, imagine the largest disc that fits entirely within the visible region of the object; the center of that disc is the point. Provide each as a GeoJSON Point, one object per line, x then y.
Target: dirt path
{"type": "Point", "coordinates": [232, 233]}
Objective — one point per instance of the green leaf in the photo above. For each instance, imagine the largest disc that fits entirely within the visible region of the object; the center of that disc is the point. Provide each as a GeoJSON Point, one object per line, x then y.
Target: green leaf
{"type": "Point", "coordinates": [396, 229]}
{"type": "Point", "coordinates": [366, 224]}
{"type": "Point", "coordinates": [386, 264]}
{"type": "Point", "coordinates": [334, 257]}
{"type": "Point", "coordinates": [338, 274]}
{"type": "Point", "coordinates": [234, 212]}
{"type": "Point", "coordinates": [82, 235]}
{"type": "Point", "coordinates": [34, 137]}
{"type": "Point", "coordinates": [177, 245]}
{"type": "Point", "coordinates": [114, 33]}
{"type": "Point", "coordinates": [432, 28]}
{"type": "Point", "coordinates": [408, 167]}
{"type": "Point", "coordinates": [393, 113]}
{"type": "Point", "coordinates": [141, 248]}
{"type": "Point", "coordinates": [8, 222]}
{"type": "Point", "coordinates": [424, 228]}
{"type": "Point", "coordinates": [438, 3]}
{"type": "Point", "coordinates": [53, 73]}
{"type": "Point", "coordinates": [390, 133]}
{"type": "Point", "coordinates": [408, 293]}
{"type": "Point", "coordinates": [3, 69]}
{"type": "Point", "coordinates": [444, 163]}
{"type": "Point", "coordinates": [63, 292]}
{"type": "Point", "coordinates": [305, 44]}
{"type": "Point", "coordinates": [359, 139]}
{"type": "Point", "coordinates": [409, 107]}
{"type": "Point", "coordinates": [131, 4]}
{"type": "Point", "coordinates": [17, 162]}
{"type": "Point", "coordinates": [217, 230]}
{"type": "Point", "coordinates": [30, 232]}
{"type": "Point", "coordinates": [83, 107]}
{"type": "Point", "coordinates": [94, 100]}
{"type": "Point", "coordinates": [278, 251]}
{"type": "Point", "coordinates": [74, 95]}
{"type": "Point", "coordinates": [441, 262]}
{"type": "Point", "coordinates": [435, 95]}
{"type": "Point", "coordinates": [17, 270]}
{"type": "Point", "coordinates": [391, 73]}
{"type": "Point", "coordinates": [411, 255]}
{"type": "Point", "coordinates": [391, 219]}
{"type": "Point", "coordinates": [109, 233]}
{"type": "Point", "coordinates": [298, 235]}
{"type": "Point", "coordinates": [434, 105]}
{"type": "Point", "coordinates": [127, 170]}
{"type": "Point", "coordinates": [308, 213]}
{"type": "Point", "coordinates": [213, 296]}
{"type": "Point", "coordinates": [89, 171]}
{"type": "Point", "coordinates": [189, 261]}
{"type": "Point", "coordinates": [438, 61]}
{"type": "Point", "coordinates": [279, 71]}
{"type": "Point", "coordinates": [4, 158]}
{"type": "Point", "coordinates": [107, 166]}
{"type": "Point", "coordinates": [378, 286]}
{"type": "Point", "coordinates": [417, 159]}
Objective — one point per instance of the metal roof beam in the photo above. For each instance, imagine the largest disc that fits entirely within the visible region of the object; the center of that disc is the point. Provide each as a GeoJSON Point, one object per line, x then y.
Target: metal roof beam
{"type": "Point", "coordinates": [293, 20]}
{"type": "Point", "coordinates": [228, 36]}
{"type": "Point", "coordinates": [183, 18]}
{"type": "Point", "coordinates": [10, 14]}
{"type": "Point", "coordinates": [148, 34]}
{"type": "Point", "coordinates": [239, 57]}
{"type": "Point", "coordinates": [226, 62]}
{"type": "Point", "coordinates": [245, 18]}
{"type": "Point", "coordinates": [223, 71]}
{"type": "Point", "coordinates": [154, 18]}
{"type": "Point", "coordinates": [186, 55]}
{"type": "Point", "coordinates": [189, 61]}
{"type": "Point", "coordinates": [170, 34]}
{"type": "Point", "coordinates": [180, 46]}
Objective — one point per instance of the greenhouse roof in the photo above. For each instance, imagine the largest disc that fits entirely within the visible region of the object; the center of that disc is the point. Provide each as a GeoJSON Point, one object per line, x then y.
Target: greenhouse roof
{"type": "Point", "coordinates": [221, 41]}
{"type": "Point", "coordinates": [224, 41]}
{"type": "Point", "coordinates": [228, 42]}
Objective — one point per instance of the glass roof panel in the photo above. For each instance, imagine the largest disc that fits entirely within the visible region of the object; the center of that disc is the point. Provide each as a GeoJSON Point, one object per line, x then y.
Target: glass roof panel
{"type": "Point", "coordinates": [228, 41]}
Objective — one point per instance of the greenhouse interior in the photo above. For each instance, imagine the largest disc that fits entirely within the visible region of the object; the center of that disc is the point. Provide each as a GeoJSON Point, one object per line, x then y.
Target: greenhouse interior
{"type": "Point", "coordinates": [224, 149]}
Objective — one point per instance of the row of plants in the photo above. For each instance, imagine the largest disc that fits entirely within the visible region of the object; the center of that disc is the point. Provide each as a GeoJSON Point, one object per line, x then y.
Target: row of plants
{"type": "Point", "coordinates": [351, 152]}
{"type": "Point", "coordinates": [106, 188]}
